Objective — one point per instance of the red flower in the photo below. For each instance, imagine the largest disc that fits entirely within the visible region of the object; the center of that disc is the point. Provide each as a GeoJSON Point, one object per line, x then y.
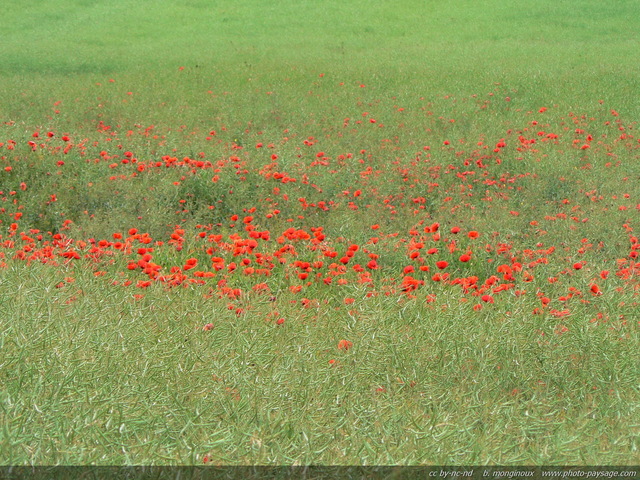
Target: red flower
{"type": "Point", "coordinates": [442, 264]}
{"type": "Point", "coordinates": [344, 345]}
{"type": "Point", "coordinates": [465, 258]}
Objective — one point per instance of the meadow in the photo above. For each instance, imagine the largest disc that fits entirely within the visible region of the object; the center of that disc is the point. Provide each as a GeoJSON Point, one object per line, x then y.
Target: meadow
{"type": "Point", "coordinates": [295, 233]}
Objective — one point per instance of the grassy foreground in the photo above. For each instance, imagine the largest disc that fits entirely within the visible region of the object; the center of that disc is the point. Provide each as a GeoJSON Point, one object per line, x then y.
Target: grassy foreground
{"type": "Point", "coordinates": [373, 237]}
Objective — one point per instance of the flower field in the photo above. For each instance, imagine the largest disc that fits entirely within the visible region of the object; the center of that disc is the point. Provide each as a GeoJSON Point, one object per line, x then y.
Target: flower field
{"type": "Point", "coordinates": [305, 213]}
{"type": "Point", "coordinates": [317, 266]}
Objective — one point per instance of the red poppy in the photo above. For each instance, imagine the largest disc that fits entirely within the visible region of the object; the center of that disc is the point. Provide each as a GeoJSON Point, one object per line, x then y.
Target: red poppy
{"type": "Point", "coordinates": [442, 264]}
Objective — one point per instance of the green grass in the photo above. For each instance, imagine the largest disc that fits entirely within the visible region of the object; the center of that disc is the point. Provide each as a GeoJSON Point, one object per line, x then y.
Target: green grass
{"type": "Point", "coordinates": [97, 373]}
{"type": "Point", "coordinates": [112, 380]}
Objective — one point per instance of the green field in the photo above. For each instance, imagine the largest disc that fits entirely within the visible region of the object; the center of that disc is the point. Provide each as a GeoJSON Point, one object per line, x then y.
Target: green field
{"type": "Point", "coordinates": [296, 233]}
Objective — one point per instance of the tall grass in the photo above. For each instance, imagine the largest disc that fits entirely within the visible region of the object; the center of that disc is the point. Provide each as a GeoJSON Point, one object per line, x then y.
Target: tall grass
{"type": "Point", "coordinates": [398, 102]}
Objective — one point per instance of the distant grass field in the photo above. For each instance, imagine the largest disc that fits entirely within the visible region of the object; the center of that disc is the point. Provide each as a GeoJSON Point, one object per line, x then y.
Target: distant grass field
{"type": "Point", "coordinates": [330, 233]}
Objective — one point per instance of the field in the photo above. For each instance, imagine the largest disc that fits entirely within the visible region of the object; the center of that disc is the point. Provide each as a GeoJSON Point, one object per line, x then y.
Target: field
{"type": "Point", "coordinates": [294, 233]}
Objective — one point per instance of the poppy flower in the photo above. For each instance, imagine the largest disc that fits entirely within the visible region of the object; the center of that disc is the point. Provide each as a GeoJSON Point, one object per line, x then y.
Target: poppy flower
{"type": "Point", "coordinates": [442, 264]}
{"type": "Point", "coordinates": [487, 298]}
{"type": "Point", "coordinates": [344, 345]}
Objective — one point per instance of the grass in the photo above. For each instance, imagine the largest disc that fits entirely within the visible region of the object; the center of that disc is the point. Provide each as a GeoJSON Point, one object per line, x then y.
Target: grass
{"type": "Point", "coordinates": [511, 359]}
{"type": "Point", "coordinates": [418, 388]}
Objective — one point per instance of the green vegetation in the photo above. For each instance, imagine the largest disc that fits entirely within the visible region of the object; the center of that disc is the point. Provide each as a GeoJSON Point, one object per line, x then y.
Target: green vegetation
{"type": "Point", "coordinates": [218, 223]}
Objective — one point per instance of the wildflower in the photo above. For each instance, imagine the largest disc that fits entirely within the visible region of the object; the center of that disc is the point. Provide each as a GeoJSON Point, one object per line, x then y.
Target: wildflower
{"type": "Point", "coordinates": [442, 264]}
{"type": "Point", "coordinates": [487, 298]}
{"type": "Point", "coordinates": [344, 345]}
{"type": "Point", "coordinates": [560, 329]}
